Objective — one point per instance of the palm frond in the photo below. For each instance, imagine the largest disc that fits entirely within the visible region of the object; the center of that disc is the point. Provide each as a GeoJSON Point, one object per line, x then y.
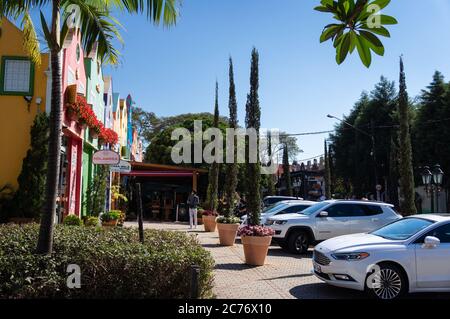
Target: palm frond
{"type": "Point", "coordinates": [30, 39]}
{"type": "Point", "coordinates": [98, 26]}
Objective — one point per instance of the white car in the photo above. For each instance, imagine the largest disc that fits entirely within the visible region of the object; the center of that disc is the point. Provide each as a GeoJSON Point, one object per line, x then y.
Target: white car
{"type": "Point", "coordinates": [281, 208]}
{"type": "Point", "coordinates": [328, 219]}
{"type": "Point", "coordinates": [409, 255]}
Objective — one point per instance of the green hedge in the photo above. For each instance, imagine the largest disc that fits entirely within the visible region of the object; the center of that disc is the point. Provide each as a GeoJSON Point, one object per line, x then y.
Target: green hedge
{"type": "Point", "coordinates": [113, 263]}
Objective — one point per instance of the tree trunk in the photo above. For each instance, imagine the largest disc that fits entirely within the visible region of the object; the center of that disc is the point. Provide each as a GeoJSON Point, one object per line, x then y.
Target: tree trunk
{"type": "Point", "coordinates": [45, 240]}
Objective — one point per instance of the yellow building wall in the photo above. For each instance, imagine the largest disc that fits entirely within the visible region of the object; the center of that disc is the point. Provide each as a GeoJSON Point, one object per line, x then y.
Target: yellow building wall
{"type": "Point", "coordinates": [16, 119]}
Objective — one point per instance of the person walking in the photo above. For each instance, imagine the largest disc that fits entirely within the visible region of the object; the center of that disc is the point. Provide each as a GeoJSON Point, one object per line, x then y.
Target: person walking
{"type": "Point", "coordinates": [193, 202]}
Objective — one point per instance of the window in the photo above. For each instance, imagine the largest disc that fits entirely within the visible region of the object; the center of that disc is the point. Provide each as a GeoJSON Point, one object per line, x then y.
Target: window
{"type": "Point", "coordinates": [341, 210]}
{"type": "Point", "coordinates": [294, 209]}
{"type": "Point", "coordinates": [443, 233]}
{"type": "Point", "coordinates": [403, 228]}
{"type": "Point", "coordinates": [16, 78]}
{"type": "Point", "coordinates": [367, 210]}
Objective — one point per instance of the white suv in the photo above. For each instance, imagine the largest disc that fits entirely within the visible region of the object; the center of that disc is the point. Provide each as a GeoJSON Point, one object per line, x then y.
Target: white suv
{"type": "Point", "coordinates": [328, 219]}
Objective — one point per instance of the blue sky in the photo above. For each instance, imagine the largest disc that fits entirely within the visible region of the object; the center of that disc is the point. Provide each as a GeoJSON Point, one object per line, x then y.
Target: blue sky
{"type": "Point", "coordinates": [173, 71]}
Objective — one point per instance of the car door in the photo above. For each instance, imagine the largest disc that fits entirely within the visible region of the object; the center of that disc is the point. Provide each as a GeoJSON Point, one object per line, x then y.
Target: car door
{"type": "Point", "coordinates": [365, 218]}
{"type": "Point", "coordinates": [337, 222]}
{"type": "Point", "coordinates": [433, 263]}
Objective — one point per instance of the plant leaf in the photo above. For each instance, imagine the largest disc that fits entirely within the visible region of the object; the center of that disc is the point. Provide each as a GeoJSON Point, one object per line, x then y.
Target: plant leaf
{"type": "Point", "coordinates": [364, 51]}
{"type": "Point", "coordinates": [380, 31]}
{"type": "Point", "coordinates": [329, 33]}
{"type": "Point", "coordinates": [343, 48]}
{"type": "Point", "coordinates": [373, 41]}
{"type": "Point", "coordinates": [385, 19]}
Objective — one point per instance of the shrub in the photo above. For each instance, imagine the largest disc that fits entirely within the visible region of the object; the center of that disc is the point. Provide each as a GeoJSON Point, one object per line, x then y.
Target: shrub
{"type": "Point", "coordinates": [228, 220]}
{"type": "Point", "coordinates": [113, 263]}
{"type": "Point", "coordinates": [259, 231]}
{"type": "Point", "coordinates": [111, 215]}
{"type": "Point", "coordinates": [72, 220]}
{"type": "Point", "coordinates": [91, 221]}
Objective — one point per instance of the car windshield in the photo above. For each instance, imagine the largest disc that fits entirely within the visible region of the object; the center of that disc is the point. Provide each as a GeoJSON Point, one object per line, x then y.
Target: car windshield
{"type": "Point", "coordinates": [275, 208]}
{"type": "Point", "coordinates": [314, 208]}
{"type": "Point", "coordinates": [403, 228]}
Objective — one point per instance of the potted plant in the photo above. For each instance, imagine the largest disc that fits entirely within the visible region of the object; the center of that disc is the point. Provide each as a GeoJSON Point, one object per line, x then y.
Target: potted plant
{"type": "Point", "coordinates": [110, 219]}
{"type": "Point", "coordinates": [209, 220]}
{"type": "Point", "coordinates": [256, 241]}
{"type": "Point", "coordinates": [200, 215]}
{"type": "Point", "coordinates": [227, 227]}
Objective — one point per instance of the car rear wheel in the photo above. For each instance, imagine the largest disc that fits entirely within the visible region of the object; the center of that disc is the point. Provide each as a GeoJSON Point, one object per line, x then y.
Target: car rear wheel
{"type": "Point", "coordinates": [386, 282]}
{"type": "Point", "coordinates": [298, 243]}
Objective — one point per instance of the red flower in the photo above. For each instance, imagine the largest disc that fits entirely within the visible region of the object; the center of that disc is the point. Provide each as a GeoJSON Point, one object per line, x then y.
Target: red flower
{"type": "Point", "coordinates": [108, 136]}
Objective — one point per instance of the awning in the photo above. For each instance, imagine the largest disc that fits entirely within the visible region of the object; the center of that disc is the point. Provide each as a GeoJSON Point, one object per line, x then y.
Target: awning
{"type": "Point", "coordinates": [158, 174]}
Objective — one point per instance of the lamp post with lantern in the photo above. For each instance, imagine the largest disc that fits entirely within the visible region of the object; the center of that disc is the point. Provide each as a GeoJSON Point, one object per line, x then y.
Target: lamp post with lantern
{"type": "Point", "coordinates": [432, 180]}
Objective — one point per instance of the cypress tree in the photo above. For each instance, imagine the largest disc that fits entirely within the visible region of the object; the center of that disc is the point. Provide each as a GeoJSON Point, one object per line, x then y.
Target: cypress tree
{"type": "Point", "coordinates": [253, 120]}
{"type": "Point", "coordinates": [29, 199]}
{"type": "Point", "coordinates": [327, 172]}
{"type": "Point", "coordinates": [213, 183]}
{"type": "Point", "coordinates": [231, 169]}
{"type": "Point", "coordinates": [407, 205]}
{"type": "Point", "coordinates": [270, 182]}
{"type": "Point", "coordinates": [287, 170]}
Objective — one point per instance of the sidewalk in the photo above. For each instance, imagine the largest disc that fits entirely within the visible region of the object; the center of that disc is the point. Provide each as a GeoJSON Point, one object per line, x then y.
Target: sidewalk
{"type": "Point", "coordinates": [284, 276]}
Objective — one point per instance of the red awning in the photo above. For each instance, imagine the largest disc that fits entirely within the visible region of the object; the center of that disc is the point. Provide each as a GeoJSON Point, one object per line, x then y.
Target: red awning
{"type": "Point", "coordinates": [158, 174]}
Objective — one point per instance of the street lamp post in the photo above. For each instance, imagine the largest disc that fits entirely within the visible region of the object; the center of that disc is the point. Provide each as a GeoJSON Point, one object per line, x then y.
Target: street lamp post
{"type": "Point", "coordinates": [432, 180]}
{"type": "Point", "coordinates": [372, 138]}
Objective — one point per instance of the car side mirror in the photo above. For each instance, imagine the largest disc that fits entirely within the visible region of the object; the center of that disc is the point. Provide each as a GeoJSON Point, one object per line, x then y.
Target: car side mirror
{"type": "Point", "coordinates": [323, 214]}
{"type": "Point", "coordinates": [431, 242]}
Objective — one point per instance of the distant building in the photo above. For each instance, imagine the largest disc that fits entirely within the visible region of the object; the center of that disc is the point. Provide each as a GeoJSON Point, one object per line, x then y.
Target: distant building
{"type": "Point", "coordinates": [307, 179]}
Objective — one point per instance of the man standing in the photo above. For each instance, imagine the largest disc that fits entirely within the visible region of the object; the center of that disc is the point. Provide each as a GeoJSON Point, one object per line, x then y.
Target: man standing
{"type": "Point", "coordinates": [193, 202]}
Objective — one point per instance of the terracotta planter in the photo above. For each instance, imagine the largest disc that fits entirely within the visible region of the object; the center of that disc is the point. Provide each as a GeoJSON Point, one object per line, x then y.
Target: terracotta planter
{"type": "Point", "coordinates": [227, 233]}
{"type": "Point", "coordinates": [71, 94]}
{"type": "Point", "coordinates": [111, 223]}
{"type": "Point", "coordinates": [209, 222]}
{"type": "Point", "coordinates": [255, 249]}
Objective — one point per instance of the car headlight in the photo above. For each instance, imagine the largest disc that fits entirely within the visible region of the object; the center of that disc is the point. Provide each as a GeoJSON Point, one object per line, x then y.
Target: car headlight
{"type": "Point", "coordinates": [281, 222]}
{"type": "Point", "coordinates": [269, 222]}
{"type": "Point", "coordinates": [350, 256]}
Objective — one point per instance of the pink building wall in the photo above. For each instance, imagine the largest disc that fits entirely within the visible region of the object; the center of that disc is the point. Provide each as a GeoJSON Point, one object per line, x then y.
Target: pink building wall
{"type": "Point", "coordinates": [73, 72]}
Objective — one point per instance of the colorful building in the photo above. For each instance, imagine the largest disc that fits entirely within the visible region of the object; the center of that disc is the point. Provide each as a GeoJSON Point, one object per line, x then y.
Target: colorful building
{"type": "Point", "coordinates": [94, 97]}
{"type": "Point", "coordinates": [23, 93]}
{"type": "Point", "coordinates": [73, 74]}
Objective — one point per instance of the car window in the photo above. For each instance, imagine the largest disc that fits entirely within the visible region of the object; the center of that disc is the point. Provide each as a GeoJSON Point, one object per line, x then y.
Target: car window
{"type": "Point", "coordinates": [342, 210]}
{"type": "Point", "coordinates": [314, 208]}
{"type": "Point", "coordinates": [403, 228]}
{"type": "Point", "coordinates": [292, 209]}
{"type": "Point", "coordinates": [276, 207]}
{"type": "Point", "coordinates": [369, 210]}
{"type": "Point", "coordinates": [442, 232]}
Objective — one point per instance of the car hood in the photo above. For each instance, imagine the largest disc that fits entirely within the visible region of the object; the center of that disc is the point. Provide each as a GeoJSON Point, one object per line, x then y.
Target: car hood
{"type": "Point", "coordinates": [289, 216]}
{"type": "Point", "coordinates": [353, 242]}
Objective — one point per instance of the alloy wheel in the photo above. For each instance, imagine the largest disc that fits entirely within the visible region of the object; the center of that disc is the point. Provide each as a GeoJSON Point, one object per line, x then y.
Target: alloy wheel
{"type": "Point", "coordinates": [301, 243]}
{"type": "Point", "coordinates": [387, 284]}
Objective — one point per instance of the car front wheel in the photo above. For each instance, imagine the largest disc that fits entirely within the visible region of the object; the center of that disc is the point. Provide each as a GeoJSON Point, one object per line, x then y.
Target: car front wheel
{"type": "Point", "coordinates": [298, 243]}
{"type": "Point", "coordinates": [386, 282]}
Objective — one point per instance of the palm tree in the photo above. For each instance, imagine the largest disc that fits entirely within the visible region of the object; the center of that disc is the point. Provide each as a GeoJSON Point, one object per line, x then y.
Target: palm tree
{"type": "Point", "coordinates": [97, 25]}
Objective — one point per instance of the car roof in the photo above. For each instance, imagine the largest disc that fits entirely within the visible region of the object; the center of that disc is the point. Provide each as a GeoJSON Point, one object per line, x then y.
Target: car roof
{"type": "Point", "coordinates": [354, 201]}
{"type": "Point", "coordinates": [297, 202]}
{"type": "Point", "coordinates": [434, 217]}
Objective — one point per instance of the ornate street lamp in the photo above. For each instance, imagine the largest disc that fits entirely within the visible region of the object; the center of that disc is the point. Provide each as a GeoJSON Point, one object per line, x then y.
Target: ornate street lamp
{"type": "Point", "coordinates": [432, 180]}
{"type": "Point", "coordinates": [438, 174]}
{"type": "Point", "coordinates": [426, 176]}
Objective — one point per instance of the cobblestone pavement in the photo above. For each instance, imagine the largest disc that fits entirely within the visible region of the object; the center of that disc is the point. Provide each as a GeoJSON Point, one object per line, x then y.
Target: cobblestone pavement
{"type": "Point", "coordinates": [283, 276]}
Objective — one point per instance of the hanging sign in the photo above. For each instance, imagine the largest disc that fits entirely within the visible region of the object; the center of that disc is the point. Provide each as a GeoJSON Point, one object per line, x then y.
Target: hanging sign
{"type": "Point", "coordinates": [122, 167]}
{"type": "Point", "coordinates": [106, 157]}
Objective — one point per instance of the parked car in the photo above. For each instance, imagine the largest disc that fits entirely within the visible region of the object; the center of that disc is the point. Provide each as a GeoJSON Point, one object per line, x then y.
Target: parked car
{"type": "Point", "coordinates": [281, 208]}
{"type": "Point", "coordinates": [409, 255]}
{"type": "Point", "coordinates": [270, 200]}
{"type": "Point", "coordinates": [328, 219]}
